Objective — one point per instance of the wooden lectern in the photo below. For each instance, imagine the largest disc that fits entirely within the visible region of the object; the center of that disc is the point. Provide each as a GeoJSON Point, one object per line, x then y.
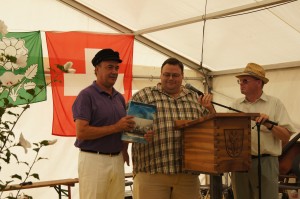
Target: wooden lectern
{"type": "Point", "coordinates": [217, 143]}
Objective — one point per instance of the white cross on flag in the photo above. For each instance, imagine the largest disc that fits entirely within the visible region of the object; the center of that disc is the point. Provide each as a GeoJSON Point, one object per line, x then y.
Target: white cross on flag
{"type": "Point", "coordinates": [80, 48]}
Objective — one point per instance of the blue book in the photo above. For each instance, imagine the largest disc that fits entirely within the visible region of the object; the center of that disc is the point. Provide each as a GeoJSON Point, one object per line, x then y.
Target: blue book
{"type": "Point", "coordinates": [143, 117]}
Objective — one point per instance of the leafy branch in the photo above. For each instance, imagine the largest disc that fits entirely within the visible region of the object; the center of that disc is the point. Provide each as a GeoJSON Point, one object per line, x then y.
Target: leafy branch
{"type": "Point", "coordinates": [7, 135]}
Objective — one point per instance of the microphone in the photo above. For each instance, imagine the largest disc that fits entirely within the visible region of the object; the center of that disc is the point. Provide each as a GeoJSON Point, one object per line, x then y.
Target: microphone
{"type": "Point", "coordinates": [190, 87]}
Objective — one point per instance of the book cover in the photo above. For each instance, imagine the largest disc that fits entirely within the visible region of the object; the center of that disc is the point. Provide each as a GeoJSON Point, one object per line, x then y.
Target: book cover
{"type": "Point", "coordinates": [143, 117]}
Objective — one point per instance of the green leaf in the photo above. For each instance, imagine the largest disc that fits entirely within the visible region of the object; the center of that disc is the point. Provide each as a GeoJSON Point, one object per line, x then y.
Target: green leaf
{"type": "Point", "coordinates": [2, 187]}
{"type": "Point", "coordinates": [7, 159]}
{"type": "Point", "coordinates": [10, 133]}
{"type": "Point", "coordinates": [16, 157]}
{"type": "Point", "coordinates": [6, 126]}
{"type": "Point", "coordinates": [41, 158]}
{"type": "Point", "coordinates": [17, 176]}
{"type": "Point", "coordinates": [11, 113]}
{"type": "Point", "coordinates": [44, 143]}
{"type": "Point", "coordinates": [2, 111]}
{"type": "Point", "coordinates": [27, 106]}
{"type": "Point", "coordinates": [35, 175]}
{"type": "Point", "coordinates": [22, 98]}
{"type": "Point", "coordinates": [41, 86]}
{"type": "Point", "coordinates": [35, 144]}
{"type": "Point", "coordinates": [60, 67]}
{"type": "Point", "coordinates": [22, 162]}
{"type": "Point", "coordinates": [31, 92]}
{"type": "Point", "coordinates": [6, 101]}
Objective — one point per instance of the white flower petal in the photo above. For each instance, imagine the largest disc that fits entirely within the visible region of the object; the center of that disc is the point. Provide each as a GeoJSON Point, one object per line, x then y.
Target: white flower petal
{"type": "Point", "coordinates": [13, 41]}
{"type": "Point", "coordinates": [29, 85]}
{"type": "Point", "coordinates": [24, 143]}
{"type": "Point", "coordinates": [10, 50]}
{"type": "Point", "coordinates": [15, 66]}
{"type": "Point", "coordinates": [51, 142]}
{"type": "Point", "coordinates": [20, 44]}
{"type": "Point", "coordinates": [68, 65]}
{"type": "Point", "coordinates": [71, 70]}
{"type": "Point", "coordinates": [8, 66]}
{"type": "Point", "coordinates": [2, 46]}
{"type": "Point", "coordinates": [6, 41]}
{"type": "Point", "coordinates": [22, 51]}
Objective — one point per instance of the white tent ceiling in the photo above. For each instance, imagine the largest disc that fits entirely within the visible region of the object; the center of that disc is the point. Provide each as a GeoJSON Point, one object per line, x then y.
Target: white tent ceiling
{"type": "Point", "coordinates": [269, 33]}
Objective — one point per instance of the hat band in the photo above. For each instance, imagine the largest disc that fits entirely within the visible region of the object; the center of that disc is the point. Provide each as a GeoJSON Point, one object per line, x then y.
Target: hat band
{"type": "Point", "coordinates": [255, 74]}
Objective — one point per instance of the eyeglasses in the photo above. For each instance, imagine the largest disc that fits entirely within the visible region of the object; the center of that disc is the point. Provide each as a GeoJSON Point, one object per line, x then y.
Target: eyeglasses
{"type": "Point", "coordinates": [112, 67]}
{"type": "Point", "coordinates": [173, 75]}
{"type": "Point", "coordinates": [244, 81]}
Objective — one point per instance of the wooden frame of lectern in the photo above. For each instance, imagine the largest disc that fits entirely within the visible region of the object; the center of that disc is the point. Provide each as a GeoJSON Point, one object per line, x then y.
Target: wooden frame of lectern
{"type": "Point", "coordinates": [217, 143]}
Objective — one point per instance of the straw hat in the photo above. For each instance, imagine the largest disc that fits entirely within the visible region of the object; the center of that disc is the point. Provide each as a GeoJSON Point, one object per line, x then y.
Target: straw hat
{"type": "Point", "coordinates": [254, 70]}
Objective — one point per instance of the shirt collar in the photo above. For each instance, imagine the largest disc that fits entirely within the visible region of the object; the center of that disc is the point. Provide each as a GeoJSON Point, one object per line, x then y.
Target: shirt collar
{"type": "Point", "coordinates": [114, 91]}
{"type": "Point", "coordinates": [184, 91]}
{"type": "Point", "coordinates": [263, 97]}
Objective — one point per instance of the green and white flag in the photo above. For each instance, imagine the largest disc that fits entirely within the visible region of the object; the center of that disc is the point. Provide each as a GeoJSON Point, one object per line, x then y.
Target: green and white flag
{"type": "Point", "coordinates": [22, 78]}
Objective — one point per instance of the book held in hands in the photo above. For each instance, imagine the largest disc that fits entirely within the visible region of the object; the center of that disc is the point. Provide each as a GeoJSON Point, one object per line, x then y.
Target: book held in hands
{"type": "Point", "coordinates": [143, 117]}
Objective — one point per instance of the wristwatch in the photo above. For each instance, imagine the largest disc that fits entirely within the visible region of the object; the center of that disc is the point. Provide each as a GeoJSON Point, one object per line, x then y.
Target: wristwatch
{"type": "Point", "coordinates": [271, 127]}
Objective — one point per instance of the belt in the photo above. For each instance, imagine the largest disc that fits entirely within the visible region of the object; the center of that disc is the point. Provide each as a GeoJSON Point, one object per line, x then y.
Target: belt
{"type": "Point", "coordinates": [262, 156]}
{"type": "Point", "coordinates": [101, 153]}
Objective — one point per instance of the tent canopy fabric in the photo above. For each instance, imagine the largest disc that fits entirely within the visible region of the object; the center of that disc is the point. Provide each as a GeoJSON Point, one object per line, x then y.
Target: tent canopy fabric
{"type": "Point", "coordinates": [236, 32]}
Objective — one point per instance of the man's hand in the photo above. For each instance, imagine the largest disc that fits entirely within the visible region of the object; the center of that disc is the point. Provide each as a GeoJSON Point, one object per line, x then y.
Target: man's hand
{"type": "Point", "coordinates": [205, 100]}
{"type": "Point", "coordinates": [125, 124]}
{"type": "Point", "coordinates": [149, 136]}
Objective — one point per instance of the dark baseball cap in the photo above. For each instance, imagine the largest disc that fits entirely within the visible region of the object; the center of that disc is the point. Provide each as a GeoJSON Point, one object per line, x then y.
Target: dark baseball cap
{"type": "Point", "coordinates": [106, 55]}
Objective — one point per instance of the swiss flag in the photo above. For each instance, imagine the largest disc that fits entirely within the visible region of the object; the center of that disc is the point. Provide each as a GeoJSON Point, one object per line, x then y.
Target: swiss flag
{"type": "Point", "coordinates": [80, 48]}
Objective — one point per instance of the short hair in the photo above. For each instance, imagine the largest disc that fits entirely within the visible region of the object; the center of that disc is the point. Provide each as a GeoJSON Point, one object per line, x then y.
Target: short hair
{"type": "Point", "coordinates": [173, 61]}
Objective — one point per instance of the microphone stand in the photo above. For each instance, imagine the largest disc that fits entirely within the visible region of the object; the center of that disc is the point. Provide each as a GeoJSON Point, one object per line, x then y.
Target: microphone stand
{"type": "Point", "coordinates": [229, 108]}
{"type": "Point", "coordinates": [258, 160]}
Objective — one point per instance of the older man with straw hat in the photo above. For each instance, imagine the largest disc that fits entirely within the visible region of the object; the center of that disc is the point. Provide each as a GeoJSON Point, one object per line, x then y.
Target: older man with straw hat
{"type": "Point", "coordinates": [245, 184]}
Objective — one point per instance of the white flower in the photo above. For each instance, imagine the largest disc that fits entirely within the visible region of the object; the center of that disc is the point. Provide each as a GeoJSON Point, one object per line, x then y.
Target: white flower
{"type": "Point", "coordinates": [24, 143]}
{"type": "Point", "coordinates": [3, 28]}
{"type": "Point", "coordinates": [16, 48]}
{"type": "Point", "coordinates": [9, 79]}
{"type": "Point", "coordinates": [68, 67]}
